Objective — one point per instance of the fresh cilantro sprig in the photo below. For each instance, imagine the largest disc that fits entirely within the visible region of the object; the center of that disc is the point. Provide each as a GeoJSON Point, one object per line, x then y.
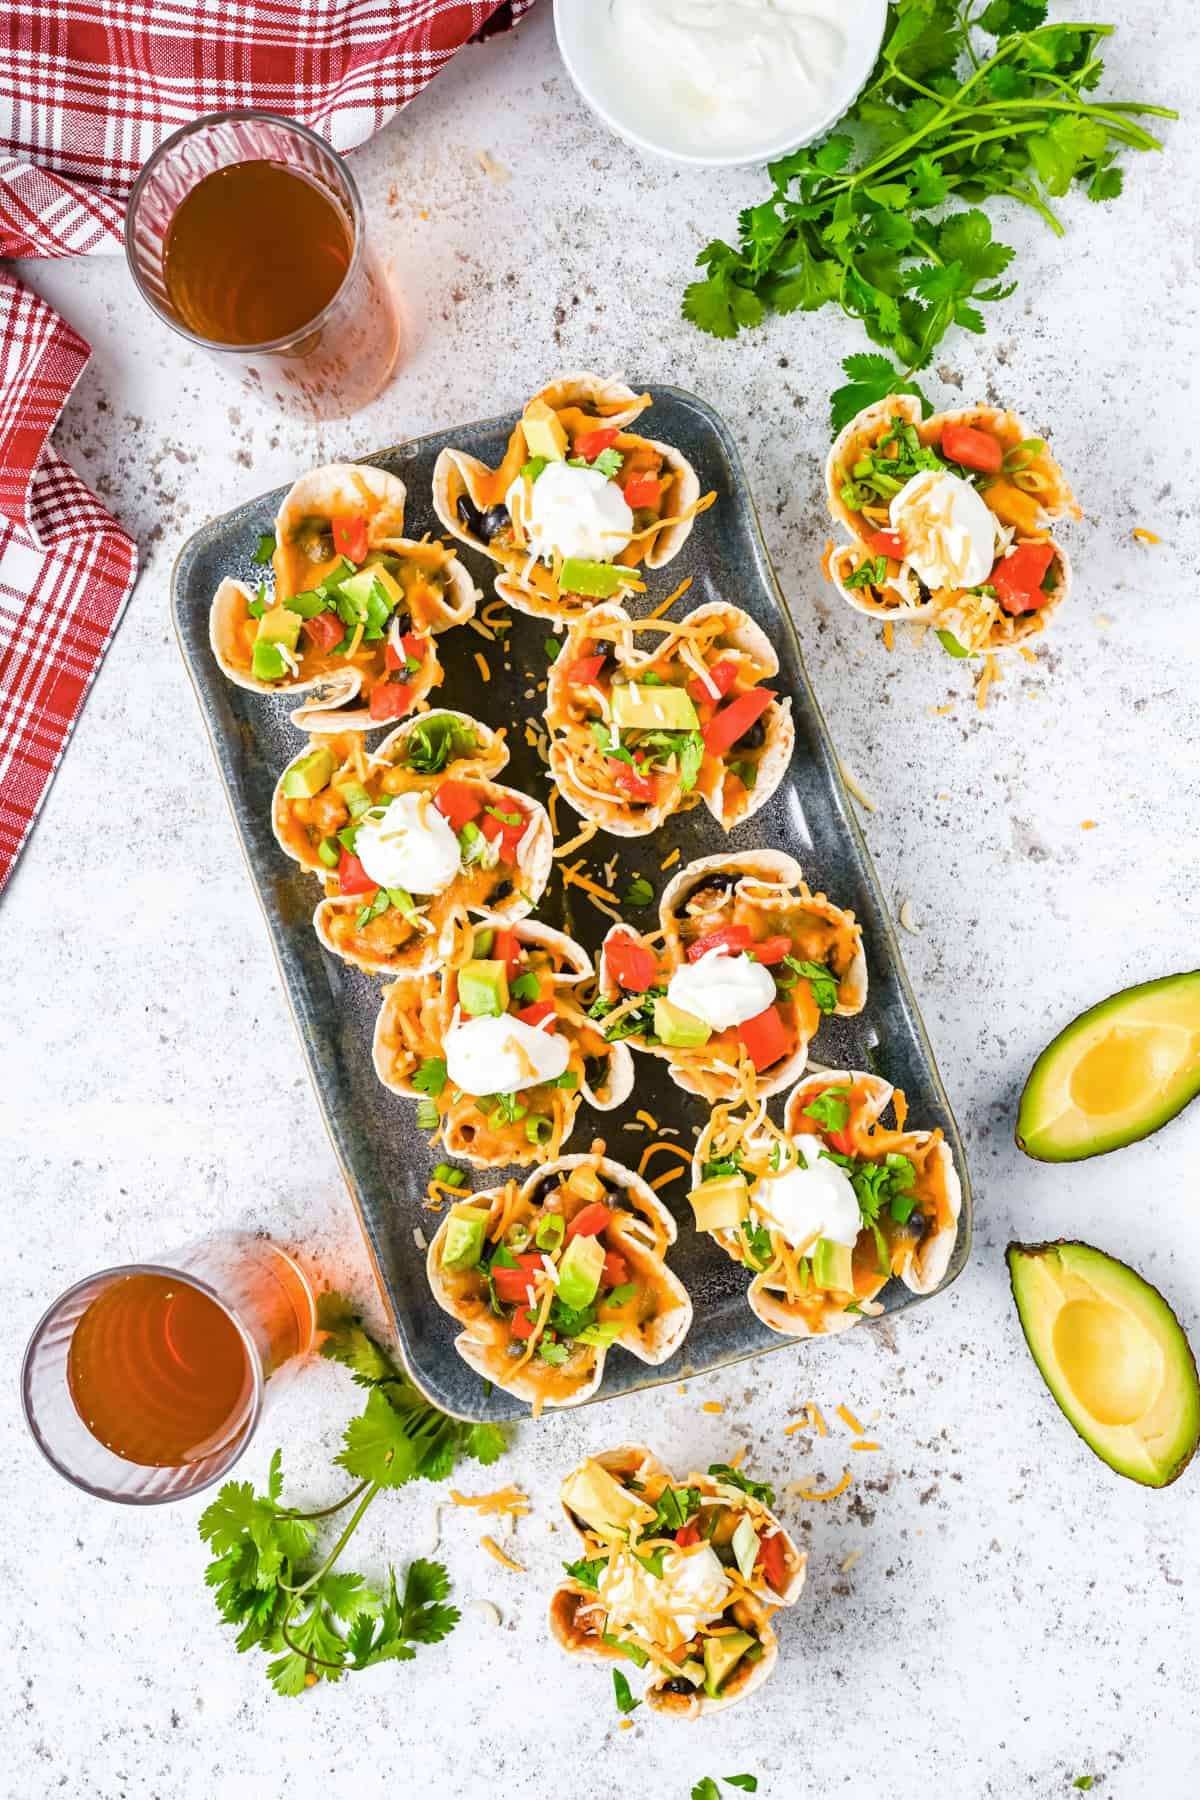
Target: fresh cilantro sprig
{"type": "Point", "coordinates": [966, 102]}
{"type": "Point", "coordinates": [320, 1623]}
{"type": "Point", "coordinates": [757, 1490]}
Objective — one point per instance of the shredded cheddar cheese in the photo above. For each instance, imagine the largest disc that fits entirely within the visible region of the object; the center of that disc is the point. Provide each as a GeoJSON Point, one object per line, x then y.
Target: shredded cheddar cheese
{"type": "Point", "coordinates": [669, 861]}
{"type": "Point", "coordinates": [712, 1406]}
{"type": "Point", "coordinates": [507, 1500]}
{"type": "Point", "coordinates": [735, 1462]}
{"type": "Point", "coordinates": [663, 1181]}
{"type": "Point", "coordinates": [848, 1419]}
{"type": "Point", "coordinates": [651, 1124]}
{"type": "Point", "coordinates": [985, 682]}
{"type": "Point", "coordinates": [862, 1444]}
{"type": "Point", "coordinates": [481, 663]}
{"type": "Point", "coordinates": [652, 1150]}
{"type": "Point", "coordinates": [889, 635]}
{"type": "Point", "coordinates": [497, 1554]}
{"type": "Point", "coordinates": [1146, 537]}
{"type": "Point", "coordinates": [1087, 825]}
{"type": "Point", "coordinates": [830, 1494]}
{"type": "Point", "coordinates": [826, 559]}
{"type": "Point", "coordinates": [583, 836]}
{"type": "Point", "coordinates": [666, 605]}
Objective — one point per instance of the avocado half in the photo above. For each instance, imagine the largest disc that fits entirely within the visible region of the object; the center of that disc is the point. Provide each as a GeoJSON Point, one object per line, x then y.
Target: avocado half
{"type": "Point", "coordinates": [1116, 1073]}
{"type": "Point", "coordinates": [1113, 1354]}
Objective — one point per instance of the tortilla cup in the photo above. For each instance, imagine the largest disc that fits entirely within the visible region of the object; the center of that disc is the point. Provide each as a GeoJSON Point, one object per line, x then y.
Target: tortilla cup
{"type": "Point", "coordinates": [577, 1621]}
{"type": "Point", "coordinates": [573, 755]}
{"type": "Point", "coordinates": [768, 882]}
{"type": "Point", "coordinates": [638, 1232]}
{"type": "Point", "coordinates": [411, 1029]}
{"type": "Point", "coordinates": [1039, 492]}
{"type": "Point", "coordinates": [460, 479]}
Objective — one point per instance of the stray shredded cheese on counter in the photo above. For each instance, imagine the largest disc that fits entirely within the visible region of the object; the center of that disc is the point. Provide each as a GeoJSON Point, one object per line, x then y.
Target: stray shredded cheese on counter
{"type": "Point", "coordinates": [848, 1561]}
{"type": "Point", "coordinates": [712, 1406]}
{"type": "Point", "coordinates": [669, 861]}
{"type": "Point", "coordinates": [831, 1494]}
{"type": "Point", "coordinates": [666, 605]}
{"type": "Point", "coordinates": [907, 920]}
{"type": "Point", "coordinates": [583, 836]}
{"type": "Point", "coordinates": [861, 1444]}
{"type": "Point", "coordinates": [650, 1122]}
{"type": "Point", "coordinates": [889, 635]}
{"type": "Point", "coordinates": [663, 1181]}
{"type": "Point", "coordinates": [848, 1419]}
{"type": "Point", "coordinates": [489, 1613]}
{"type": "Point", "coordinates": [864, 799]}
{"type": "Point", "coordinates": [652, 1150]}
{"type": "Point", "coordinates": [507, 1500]}
{"type": "Point", "coordinates": [990, 674]}
{"type": "Point", "coordinates": [496, 1553]}
{"type": "Point", "coordinates": [481, 663]}
{"type": "Point", "coordinates": [1087, 825]}
{"type": "Point", "coordinates": [1146, 537]}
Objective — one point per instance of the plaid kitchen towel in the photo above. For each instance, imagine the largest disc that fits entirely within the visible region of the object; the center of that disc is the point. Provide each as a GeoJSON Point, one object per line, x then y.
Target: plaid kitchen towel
{"type": "Point", "coordinates": [88, 89]}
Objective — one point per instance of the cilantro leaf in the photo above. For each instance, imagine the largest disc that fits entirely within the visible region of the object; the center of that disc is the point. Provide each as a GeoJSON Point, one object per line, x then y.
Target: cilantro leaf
{"type": "Point", "coordinates": [675, 1507]}
{"type": "Point", "coordinates": [757, 1490]}
{"type": "Point", "coordinates": [377, 1447]}
{"type": "Point", "coordinates": [748, 1783]}
{"type": "Point", "coordinates": [435, 741]}
{"type": "Point", "coordinates": [830, 1109]}
{"type": "Point", "coordinates": [723, 303]}
{"type": "Point", "coordinates": [624, 1698]}
{"type": "Point", "coordinates": [706, 1789]}
{"type": "Point", "coordinates": [265, 548]}
{"type": "Point", "coordinates": [587, 1574]}
{"type": "Point", "coordinates": [639, 893]}
{"type": "Point", "coordinates": [430, 1076]}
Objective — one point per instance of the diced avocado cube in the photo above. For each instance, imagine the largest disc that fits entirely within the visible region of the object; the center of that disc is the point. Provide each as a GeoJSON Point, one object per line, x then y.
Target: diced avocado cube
{"type": "Point", "coordinates": [637, 707]}
{"type": "Point", "coordinates": [721, 1656]}
{"type": "Point", "coordinates": [596, 580]}
{"type": "Point", "coordinates": [544, 433]}
{"type": "Point", "coordinates": [598, 1498]}
{"type": "Point", "coordinates": [463, 1244]}
{"type": "Point", "coordinates": [308, 775]}
{"type": "Point", "coordinates": [579, 1272]}
{"type": "Point", "coordinates": [483, 942]}
{"type": "Point", "coordinates": [279, 626]}
{"type": "Point", "coordinates": [267, 661]}
{"type": "Point", "coordinates": [678, 1029]}
{"type": "Point", "coordinates": [359, 588]}
{"type": "Point", "coordinates": [357, 799]}
{"type": "Point", "coordinates": [597, 1334]}
{"type": "Point", "coordinates": [483, 988]}
{"type": "Point", "coordinates": [584, 1181]}
{"type": "Point", "coordinates": [329, 853]}
{"type": "Point", "coordinates": [721, 1203]}
{"type": "Point", "coordinates": [833, 1266]}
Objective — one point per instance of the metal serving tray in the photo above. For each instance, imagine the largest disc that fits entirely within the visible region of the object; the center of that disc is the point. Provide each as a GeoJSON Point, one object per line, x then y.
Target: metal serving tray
{"type": "Point", "coordinates": [385, 1159]}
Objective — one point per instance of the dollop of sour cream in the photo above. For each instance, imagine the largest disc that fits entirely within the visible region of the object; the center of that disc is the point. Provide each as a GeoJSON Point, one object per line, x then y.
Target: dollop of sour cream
{"type": "Point", "coordinates": [410, 846]}
{"type": "Point", "coordinates": [692, 1591]}
{"type": "Point", "coordinates": [576, 512]}
{"type": "Point", "coordinates": [498, 1056]}
{"type": "Point", "coordinates": [947, 533]}
{"type": "Point", "coordinates": [722, 990]}
{"type": "Point", "coordinates": [812, 1199]}
{"type": "Point", "coordinates": [734, 74]}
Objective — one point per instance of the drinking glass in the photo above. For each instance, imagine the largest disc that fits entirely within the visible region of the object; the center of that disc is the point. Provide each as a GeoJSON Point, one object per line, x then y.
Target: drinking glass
{"type": "Point", "coordinates": [334, 363]}
{"type": "Point", "coordinates": [261, 1291]}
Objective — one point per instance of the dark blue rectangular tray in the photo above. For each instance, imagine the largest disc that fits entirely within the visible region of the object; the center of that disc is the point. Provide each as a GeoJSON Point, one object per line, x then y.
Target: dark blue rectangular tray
{"type": "Point", "coordinates": [385, 1159]}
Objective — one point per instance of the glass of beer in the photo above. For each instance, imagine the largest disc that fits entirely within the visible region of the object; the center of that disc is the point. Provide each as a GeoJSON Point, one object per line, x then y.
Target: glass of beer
{"type": "Point", "coordinates": [245, 232]}
{"type": "Point", "coordinates": [145, 1383]}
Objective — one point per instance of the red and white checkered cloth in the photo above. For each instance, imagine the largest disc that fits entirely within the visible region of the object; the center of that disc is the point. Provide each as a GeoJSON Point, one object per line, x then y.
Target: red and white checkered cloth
{"type": "Point", "coordinates": [88, 89]}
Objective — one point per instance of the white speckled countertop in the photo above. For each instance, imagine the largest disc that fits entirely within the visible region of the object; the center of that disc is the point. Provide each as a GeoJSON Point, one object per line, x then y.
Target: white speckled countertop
{"type": "Point", "coordinates": [1018, 1615]}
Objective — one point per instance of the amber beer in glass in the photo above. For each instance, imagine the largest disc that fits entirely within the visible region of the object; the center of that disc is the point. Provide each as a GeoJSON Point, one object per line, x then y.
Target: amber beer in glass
{"type": "Point", "coordinates": [245, 232]}
{"type": "Point", "coordinates": [145, 1383]}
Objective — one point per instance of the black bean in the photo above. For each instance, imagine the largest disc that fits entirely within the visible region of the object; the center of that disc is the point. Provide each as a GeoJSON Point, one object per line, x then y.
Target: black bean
{"type": "Point", "coordinates": [403, 624]}
{"type": "Point", "coordinates": [469, 515]}
{"type": "Point", "coordinates": [678, 1684]}
{"type": "Point", "coordinates": [755, 738]}
{"type": "Point", "coordinates": [709, 894]}
{"type": "Point", "coordinates": [502, 890]}
{"type": "Point", "coordinates": [495, 520]}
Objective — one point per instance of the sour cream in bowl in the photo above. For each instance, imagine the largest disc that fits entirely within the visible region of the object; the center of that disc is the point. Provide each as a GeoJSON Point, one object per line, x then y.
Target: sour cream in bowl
{"type": "Point", "coordinates": [719, 82]}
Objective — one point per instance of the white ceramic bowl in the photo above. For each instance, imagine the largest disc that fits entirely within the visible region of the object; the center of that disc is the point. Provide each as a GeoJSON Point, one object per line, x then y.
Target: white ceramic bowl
{"type": "Point", "coordinates": [582, 28]}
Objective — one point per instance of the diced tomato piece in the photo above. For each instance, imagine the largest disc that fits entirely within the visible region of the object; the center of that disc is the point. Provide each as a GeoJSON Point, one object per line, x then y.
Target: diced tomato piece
{"type": "Point", "coordinates": [535, 1012]}
{"type": "Point", "coordinates": [584, 670]}
{"type": "Point", "coordinates": [628, 782]}
{"type": "Point", "coordinates": [765, 1038]}
{"type": "Point", "coordinates": [457, 803]}
{"type": "Point", "coordinates": [642, 490]}
{"type": "Point", "coordinates": [507, 949]}
{"type": "Point", "coordinates": [523, 1323]}
{"type": "Point", "coordinates": [734, 721]}
{"type": "Point", "coordinates": [390, 700]}
{"type": "Point", "coordinates": [774, 1561]}
{"type": "Point", "coordinates": [589, 444]}
{"type": "Point", "coordinates": [615, 1272]}
{"type": "Point", "coordinates": [500, 831]}
{"type": "Point", "coordinates": [730, 938]}
{"type": "Point", "coordinates": [886, 543]}
{"type": "Point", "coordinates": [722, 675]}
{"type": "Point", "coordinates": [412, 648]}
{"type": "Point", "coordinates": [630, 965]}
{"type": "Point", "coordinates": [515, 1286]}
{"type": "Point", "coordinates": [1017, 577]}
{"type": "Point", "coordinates": [772, 950]}
{"type": "Point", "coordinates": [352, 877]}
{"type": "Point", "coordinates": [324, 630]}
{"type": "Point", "coordinates": [972, 448]}
{"type": "Point", "coordinates": [688, 1534]}
{"type": "Point", "coordinates": [350, 535]}
{"type": "Point", "coordinates": [840, 1141]}
{"type": "Point", "coordinates": [589, 1220]}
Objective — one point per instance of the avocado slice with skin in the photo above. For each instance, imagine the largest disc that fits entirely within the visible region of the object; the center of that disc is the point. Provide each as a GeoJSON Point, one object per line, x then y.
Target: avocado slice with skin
{"type": "Point", "coordinates": [1116, 1073]}
{"type": "Point", "coordinates": [721, 1656]}
{"type": "Point", "coordinates": [678, 1029]}
{"type": "Point", "coordinates": [721, 1203]}
{"type": "Point", "coordinates": [648, 708]}
{"type": "Point", "coordinates": [308, 775]}
{"type": "Point", "coordinates": [1113, 1354]}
